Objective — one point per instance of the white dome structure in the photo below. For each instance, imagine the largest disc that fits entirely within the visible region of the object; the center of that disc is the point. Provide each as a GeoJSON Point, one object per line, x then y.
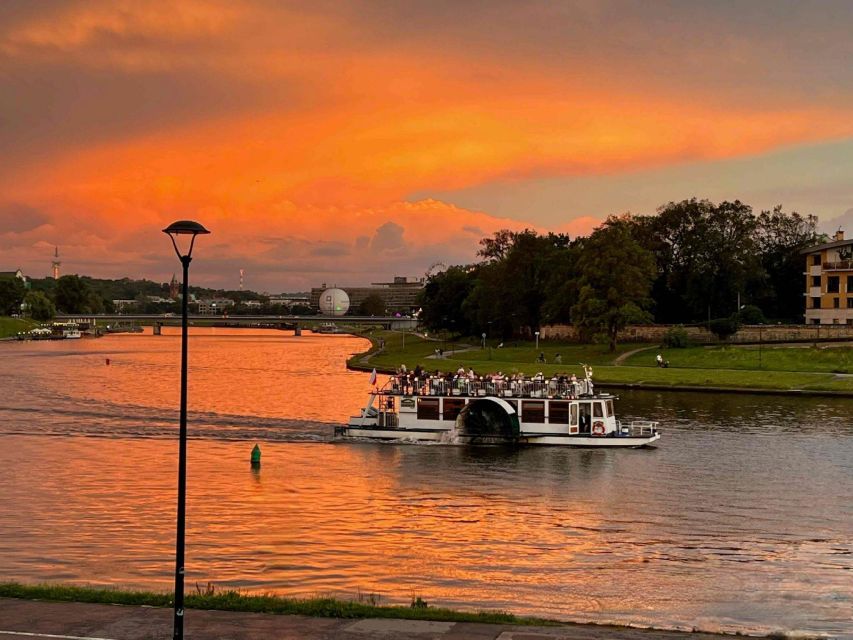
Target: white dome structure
{"type": "Point", "coordinates": [334, 302]}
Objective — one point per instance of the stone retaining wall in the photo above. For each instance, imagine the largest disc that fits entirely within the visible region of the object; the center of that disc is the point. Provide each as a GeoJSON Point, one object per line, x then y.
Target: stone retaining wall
{"type": "Point", "coordinates": [654, 333]}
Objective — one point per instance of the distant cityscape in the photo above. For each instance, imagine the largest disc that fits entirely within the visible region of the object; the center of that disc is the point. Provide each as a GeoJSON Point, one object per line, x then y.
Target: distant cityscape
{"type": "Point", "coordinates": [399, 295]}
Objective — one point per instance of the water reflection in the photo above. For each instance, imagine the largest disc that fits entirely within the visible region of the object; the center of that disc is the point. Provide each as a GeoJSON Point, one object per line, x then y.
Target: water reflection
{"type": "Point", "coordinates": [741, 519]}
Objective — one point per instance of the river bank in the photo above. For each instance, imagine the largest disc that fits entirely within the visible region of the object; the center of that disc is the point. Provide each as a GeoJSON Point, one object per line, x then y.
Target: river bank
{"type": "Point", "coordinates": [11, 327]}
{"type": "Point", "coordinates": [791, 369]}
{"type": "Point", "coordinates": [75, 620]}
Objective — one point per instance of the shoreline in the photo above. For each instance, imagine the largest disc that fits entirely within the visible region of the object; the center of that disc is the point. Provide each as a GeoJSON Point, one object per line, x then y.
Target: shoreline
{"type": "Point", "coordinates": [328, 609]}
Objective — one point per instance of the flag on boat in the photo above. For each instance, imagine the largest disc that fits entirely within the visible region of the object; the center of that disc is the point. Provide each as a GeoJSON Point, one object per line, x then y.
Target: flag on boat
{"type": "Point", "coordinates": [373, 376]}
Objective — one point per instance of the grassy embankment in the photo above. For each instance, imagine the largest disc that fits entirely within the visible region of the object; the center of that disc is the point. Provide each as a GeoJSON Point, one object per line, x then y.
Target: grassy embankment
{"type": "Point", "coordinates": [365, 606]}
{"type": "Point", "coordinates": [770, 367]}
{"type": "Point", "coordinates": [10, 327]}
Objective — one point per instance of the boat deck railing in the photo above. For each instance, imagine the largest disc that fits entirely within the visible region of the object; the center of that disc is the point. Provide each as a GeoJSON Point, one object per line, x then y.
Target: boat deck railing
{"type": "Point", "coordinates": [465, 386]}
{"type": "Point", "coordinates": [636, 428]}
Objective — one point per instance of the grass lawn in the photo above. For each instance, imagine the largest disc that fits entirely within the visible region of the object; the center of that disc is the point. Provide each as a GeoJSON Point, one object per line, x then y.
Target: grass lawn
{"type": "Point", "coordinates": [366, 606]}
{"type": "Point", "coordinates": [515, 356]}
{"type": "Point", "coordinates": [9, 327]}
{"type": "Point", "coordinates": [781, 367]}
{"type": "Point", "coordinates": [826, 359]}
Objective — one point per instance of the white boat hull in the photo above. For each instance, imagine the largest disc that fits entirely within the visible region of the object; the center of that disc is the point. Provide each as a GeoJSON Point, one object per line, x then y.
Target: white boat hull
{"type": "Point", "coordinates": [373, 432]}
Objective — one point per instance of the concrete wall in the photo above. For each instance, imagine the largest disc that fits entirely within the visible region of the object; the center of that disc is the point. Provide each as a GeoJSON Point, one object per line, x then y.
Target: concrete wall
{"type": "Point", "coordinates": [654, 333]}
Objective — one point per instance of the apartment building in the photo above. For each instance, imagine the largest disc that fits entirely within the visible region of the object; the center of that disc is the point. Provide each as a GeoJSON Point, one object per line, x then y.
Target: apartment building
{"type": "Point", "coordinates": [829, 282]}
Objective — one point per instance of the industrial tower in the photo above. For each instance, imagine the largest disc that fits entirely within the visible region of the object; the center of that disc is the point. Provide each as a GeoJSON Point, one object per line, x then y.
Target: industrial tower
{"type": "Point", "coordinates": [55, 264]}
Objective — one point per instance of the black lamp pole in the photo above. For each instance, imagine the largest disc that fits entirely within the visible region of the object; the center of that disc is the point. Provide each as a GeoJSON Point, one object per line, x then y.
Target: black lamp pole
{"type": "Point", "coordinates": [182, 227]}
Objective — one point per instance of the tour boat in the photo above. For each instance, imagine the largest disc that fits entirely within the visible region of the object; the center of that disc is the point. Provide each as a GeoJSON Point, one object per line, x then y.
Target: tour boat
{"type": "Point", "coordinates": [468, 409]}
{"type": "Point", "coordinates": [66, 331]}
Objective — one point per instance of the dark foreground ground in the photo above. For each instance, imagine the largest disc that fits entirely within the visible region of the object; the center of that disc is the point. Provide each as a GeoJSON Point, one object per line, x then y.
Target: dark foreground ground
{"type": "Point", "coordinates": [21, 619]}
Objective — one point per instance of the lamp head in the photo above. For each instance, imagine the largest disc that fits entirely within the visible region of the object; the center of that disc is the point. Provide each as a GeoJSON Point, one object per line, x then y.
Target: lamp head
{"type": "Point", "coordinates": [185, 228]}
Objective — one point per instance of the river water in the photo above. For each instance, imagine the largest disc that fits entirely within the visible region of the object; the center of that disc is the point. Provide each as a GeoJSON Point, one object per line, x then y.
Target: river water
{"type": "Point", "coordinates": [741, 520]}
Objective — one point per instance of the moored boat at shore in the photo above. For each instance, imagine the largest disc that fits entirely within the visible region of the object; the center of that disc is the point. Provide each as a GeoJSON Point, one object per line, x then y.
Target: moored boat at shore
{"type": "Point", "coordinates": [495, 409]}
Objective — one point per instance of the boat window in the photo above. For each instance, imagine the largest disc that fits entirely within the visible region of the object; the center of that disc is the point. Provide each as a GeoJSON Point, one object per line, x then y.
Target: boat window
{"type": "Point", "coordinates": [452, 407]}
{"type": "Point", "coordinates": [533, 411]}
{"type": "Point", "coordinates": [609, 405]}
{"type": "Point", "coordinates": [597, 410]}
{"type": "Point", "coordinates": [427, 408]}
{"type": "Point", "coordinates": [573, 414]}
{"type": "Point", "coordinates": [558, 412]}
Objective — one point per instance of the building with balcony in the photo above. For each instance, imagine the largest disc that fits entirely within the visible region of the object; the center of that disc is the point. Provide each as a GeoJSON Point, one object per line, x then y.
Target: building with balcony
{"type": "Point", "coordinates": [829, 282]}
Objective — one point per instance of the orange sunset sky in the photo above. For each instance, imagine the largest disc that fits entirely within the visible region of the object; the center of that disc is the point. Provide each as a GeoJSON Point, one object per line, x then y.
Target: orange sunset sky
{"type": "Point", "coordinates": [346, 142]}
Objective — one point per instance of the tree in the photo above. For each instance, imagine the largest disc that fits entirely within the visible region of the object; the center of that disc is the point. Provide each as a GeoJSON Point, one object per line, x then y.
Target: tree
{"type": "Point", "coordinates": [39, 306]}
{"type": "Point", "coordinates": [779, 238]}
{"type": "Point", "coordinates": [443, 298]}
{"type": "Point", "coordinates": [616, 276]}
{"type": "Point", "coordinates": [372, 305]}
{"type": "Point", "coordinates": [750, 314]}
{"type": "Point", "coordinates": [72, 295]}
{"type": "Point", "coordinates": [12, 292]}
{"type": "Point", "coordinates": [723, 328]}
{"type": "Point", "coordinates": [94, 303]}
{"type": "Point", "coordinates": [515, 281]}
{"type": "Point", "coordinates": [706, 256]}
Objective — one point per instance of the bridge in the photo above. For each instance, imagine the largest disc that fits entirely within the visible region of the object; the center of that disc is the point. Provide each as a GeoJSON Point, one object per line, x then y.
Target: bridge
{"type": "Point", "coordinates": [227, 320]}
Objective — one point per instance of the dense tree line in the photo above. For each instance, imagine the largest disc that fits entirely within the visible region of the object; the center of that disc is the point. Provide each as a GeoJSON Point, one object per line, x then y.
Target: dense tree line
{"type": "Point", "coordinates": [692, 261]}
{"type": "Point", "coordinates": [710, 256]}
{"type": "Point", "coordinates": [82, 294]}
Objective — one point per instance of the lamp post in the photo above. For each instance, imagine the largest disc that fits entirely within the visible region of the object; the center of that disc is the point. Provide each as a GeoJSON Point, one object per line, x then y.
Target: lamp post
{"type": "Point", "coordinates": [192, 229]}
{"type": "Point", "coordinates": [536, 333]}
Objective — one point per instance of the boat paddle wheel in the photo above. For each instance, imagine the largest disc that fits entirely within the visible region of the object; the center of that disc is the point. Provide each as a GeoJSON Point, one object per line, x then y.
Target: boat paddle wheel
{"type": "Point", "coordinates": [488, 421]}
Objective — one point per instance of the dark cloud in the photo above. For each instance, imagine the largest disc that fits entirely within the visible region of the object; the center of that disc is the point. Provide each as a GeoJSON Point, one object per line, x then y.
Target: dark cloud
{"type": "Point", "coordinates": [477, 231]}
{"type": "Point", "coordinates": [726, 50]}
{"type": "Point", "coordinates": [18, 217]}
{"type": "Point", "coordinates": [362, 242]}
{"type": "Point", "coordinates": [388, 237]}
{"type": "Point", "coordinates": [45, 107]}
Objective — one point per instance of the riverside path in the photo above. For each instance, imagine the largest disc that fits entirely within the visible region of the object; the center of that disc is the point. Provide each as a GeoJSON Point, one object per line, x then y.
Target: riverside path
{"type": "Point", "coordinates": [29, 619]}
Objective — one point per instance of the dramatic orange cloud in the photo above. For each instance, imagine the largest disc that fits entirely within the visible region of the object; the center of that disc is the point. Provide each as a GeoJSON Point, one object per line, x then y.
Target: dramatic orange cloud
{"type": "Point", "coordinates": [283, 125]}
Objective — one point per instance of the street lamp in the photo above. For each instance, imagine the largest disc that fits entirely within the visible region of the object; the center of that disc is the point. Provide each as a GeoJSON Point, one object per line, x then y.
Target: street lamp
{"type": "Point", "coordinates": [536, 333]}
{"type": "Point", "coordinates": [193, 229]}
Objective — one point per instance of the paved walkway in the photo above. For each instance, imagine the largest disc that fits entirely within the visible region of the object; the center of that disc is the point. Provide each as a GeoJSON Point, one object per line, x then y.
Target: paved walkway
{"type": "Point", "coordinates": [618, 361]}
{"type": "Point", "coordinates": [27, 619]}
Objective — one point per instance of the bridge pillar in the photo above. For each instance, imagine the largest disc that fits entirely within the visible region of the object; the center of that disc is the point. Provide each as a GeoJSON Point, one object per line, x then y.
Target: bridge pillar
{"type": "Point", "coordinates": [157, 327]}
{"type": "Point", "coordinates": [297, 330]}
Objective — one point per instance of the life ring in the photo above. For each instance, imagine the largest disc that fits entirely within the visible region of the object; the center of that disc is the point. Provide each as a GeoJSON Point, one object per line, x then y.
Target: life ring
{"type": "Point", "coordinates": [598, 428]}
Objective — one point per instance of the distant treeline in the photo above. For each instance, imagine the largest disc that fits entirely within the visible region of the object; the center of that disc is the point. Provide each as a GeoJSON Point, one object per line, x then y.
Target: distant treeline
{"type": "Point", "coordinates": [692, 262]}
{"type": "Point", "coordinates": [82, 294]}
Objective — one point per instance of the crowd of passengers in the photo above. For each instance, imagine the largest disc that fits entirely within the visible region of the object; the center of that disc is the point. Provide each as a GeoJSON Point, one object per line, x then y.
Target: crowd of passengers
{"type": "Point", "coordinates": [469, 383]}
